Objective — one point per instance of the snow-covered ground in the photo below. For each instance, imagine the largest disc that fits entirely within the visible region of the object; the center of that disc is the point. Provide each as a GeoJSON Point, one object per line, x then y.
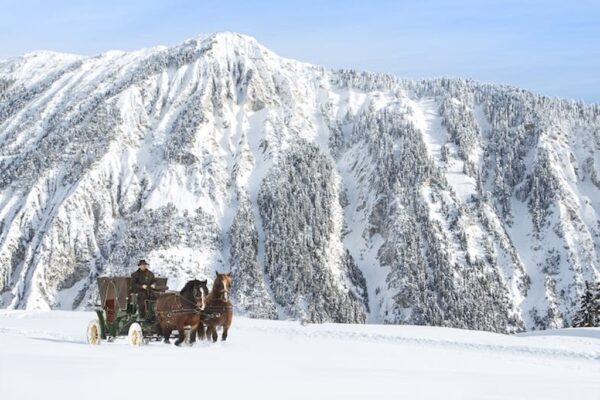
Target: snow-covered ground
{"type": "Point", "coordinates": [44, 355]}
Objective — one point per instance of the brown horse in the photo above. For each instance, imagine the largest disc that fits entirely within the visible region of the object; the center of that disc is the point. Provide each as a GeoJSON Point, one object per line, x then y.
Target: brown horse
{"type": "Point", "coordinates": [219, 310]}
{"type": "Point", "coordinates": [176, 310]}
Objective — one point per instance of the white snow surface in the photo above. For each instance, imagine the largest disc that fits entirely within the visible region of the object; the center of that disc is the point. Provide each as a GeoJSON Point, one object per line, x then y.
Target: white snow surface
{"type": "Point", "coordinates": [43, 354]}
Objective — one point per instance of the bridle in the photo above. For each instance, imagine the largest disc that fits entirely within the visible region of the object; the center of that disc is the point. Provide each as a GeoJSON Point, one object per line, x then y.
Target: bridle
{"type": "Point", "coordinates": [223, 293]}
{"type": "Point", "coordinates": [198, 290]}
{"type": "Point", "coordinates": [198, 293]}
{"type": "Point", "coordinates": [195, 291]}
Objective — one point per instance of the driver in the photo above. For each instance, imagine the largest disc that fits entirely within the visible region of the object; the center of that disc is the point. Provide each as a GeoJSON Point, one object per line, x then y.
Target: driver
{"type": "Point", "coordinates": [142, 282]}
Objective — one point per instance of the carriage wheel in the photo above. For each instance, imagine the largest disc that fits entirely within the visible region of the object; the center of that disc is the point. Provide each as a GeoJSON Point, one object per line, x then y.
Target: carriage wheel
{"type": "Point", "coordinates": [135, 335]}
{"type": "Point", "coordinates": [93, 335]}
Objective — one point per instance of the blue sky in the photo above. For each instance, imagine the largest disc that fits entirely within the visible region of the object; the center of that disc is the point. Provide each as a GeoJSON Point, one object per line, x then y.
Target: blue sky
{"type": "Point", "coordinates": [550, 47]}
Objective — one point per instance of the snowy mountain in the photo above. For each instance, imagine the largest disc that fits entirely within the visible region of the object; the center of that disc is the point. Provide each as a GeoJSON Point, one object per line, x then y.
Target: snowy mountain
{"type": "Point", "coordinates": [331, 195]}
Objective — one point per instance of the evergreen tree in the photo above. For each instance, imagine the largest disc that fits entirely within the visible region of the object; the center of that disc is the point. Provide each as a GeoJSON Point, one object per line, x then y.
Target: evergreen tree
{"type": "Point", "coordinates": [597, 304]}
{"type": "Point", "coordinates": [587, 316]}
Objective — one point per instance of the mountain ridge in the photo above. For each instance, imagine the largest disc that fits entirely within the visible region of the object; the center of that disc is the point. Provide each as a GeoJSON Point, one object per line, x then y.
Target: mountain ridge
{"type": "Point", "coordinates": [230, 34]}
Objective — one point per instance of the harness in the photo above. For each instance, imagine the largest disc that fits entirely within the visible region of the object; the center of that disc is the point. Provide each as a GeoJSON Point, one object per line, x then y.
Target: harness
{"type": "Point", "coordinates": [215, 311]}
{"type": "Point", "coordinates": [181, 310]}
{"type": "Point", "coordinates": [209, 311]}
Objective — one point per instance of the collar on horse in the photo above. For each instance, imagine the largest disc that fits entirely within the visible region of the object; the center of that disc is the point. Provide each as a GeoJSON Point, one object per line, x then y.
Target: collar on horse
{"type": "Point", "coordinates": [215, 311]}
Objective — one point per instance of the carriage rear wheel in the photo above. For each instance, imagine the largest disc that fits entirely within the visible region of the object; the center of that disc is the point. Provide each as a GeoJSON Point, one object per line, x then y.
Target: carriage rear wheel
{"type": "Point", "coordinates": [135, 335]}
{"type": "Point", "coordinates": [93, 335]}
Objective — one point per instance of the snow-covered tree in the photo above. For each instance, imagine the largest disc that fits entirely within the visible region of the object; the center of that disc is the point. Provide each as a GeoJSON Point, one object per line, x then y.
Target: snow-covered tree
{"type": "Point", "coordinates": [588, 314]}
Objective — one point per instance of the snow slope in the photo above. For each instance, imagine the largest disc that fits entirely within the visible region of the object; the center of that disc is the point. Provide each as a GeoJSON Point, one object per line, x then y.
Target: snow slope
{"type": "Point", "coordinates": [43, 355]}
{"type": "Point", "coordinates": [332, 195]}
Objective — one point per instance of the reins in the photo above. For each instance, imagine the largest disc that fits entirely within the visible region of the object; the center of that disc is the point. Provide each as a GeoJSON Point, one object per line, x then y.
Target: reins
{"type": "Point", "coordinates": [179, 296]}
{"type": "Point", "coordinates": [228, 307]}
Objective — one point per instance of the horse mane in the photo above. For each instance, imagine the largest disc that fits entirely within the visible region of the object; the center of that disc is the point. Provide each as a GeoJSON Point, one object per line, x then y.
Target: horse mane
{"type": "Point", "coordinates": [214, 285]}
{"type": "Point", "coordinates": [212, 293]}
{"type": "Point", "coordinates": [188, 286]}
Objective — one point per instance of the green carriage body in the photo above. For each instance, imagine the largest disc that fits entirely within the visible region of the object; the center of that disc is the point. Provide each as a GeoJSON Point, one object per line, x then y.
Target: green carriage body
{"type": "Point", "coordinates": [119, 309]}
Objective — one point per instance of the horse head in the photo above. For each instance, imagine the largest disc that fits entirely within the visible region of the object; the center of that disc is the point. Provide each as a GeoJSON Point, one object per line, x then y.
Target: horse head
{"type": "Point", "coordinates": [203, 293]}
{"type": "Point", "coordinates": [222, 286]}
{"type": "Point", "coordinates": [196, 291]}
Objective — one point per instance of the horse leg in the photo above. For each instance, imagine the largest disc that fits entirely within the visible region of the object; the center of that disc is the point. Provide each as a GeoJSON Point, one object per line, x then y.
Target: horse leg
{"type": "Point", "coordinates": [193, 330]}
{"type": "Point", "coordinates": [224, 334]}
{"type": "Point", "coordinates": [226, 325]}
{"type": "Point", "coordinates": [213, 331]}
{"type": "Point", "coordinates": [167, 335]}
{"type": "Point", "coordinates": [181, 336]}
{"type": "Point", "coordinates": [200, 330]}
{"type": "Point", "coordinates": [162, 329]}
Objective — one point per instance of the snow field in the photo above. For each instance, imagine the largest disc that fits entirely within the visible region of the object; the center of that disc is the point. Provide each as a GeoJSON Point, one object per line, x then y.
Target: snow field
{"type": "Point", "coordinates": [44, 355]}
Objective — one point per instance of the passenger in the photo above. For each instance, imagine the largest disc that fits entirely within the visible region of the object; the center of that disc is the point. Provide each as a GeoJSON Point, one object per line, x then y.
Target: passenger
{"type": "Point", "coordinates": [142, 282]}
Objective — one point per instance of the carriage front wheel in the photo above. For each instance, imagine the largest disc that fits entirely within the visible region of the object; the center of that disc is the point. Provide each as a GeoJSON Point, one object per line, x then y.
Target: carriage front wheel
{"type": "Point", "coordinates": [135, 335]}
{"type": "Point", "coordinates": [93, 334]}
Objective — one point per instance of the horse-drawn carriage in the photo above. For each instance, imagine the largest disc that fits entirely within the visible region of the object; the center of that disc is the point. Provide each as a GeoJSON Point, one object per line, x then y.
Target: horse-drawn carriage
{"type": "Point", "coordinates": [118, 314]}
{"type": "Point", "coordinates": [188, 311]}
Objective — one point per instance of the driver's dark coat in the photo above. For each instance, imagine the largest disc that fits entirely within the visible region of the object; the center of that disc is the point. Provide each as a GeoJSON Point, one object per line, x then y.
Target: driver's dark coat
{"type": "Point", "coordinates": [140, 278]}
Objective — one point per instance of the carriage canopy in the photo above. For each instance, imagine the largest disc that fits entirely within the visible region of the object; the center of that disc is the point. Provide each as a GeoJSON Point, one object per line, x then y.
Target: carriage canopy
{"type": "Point", "coordinates": [114, 291]}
